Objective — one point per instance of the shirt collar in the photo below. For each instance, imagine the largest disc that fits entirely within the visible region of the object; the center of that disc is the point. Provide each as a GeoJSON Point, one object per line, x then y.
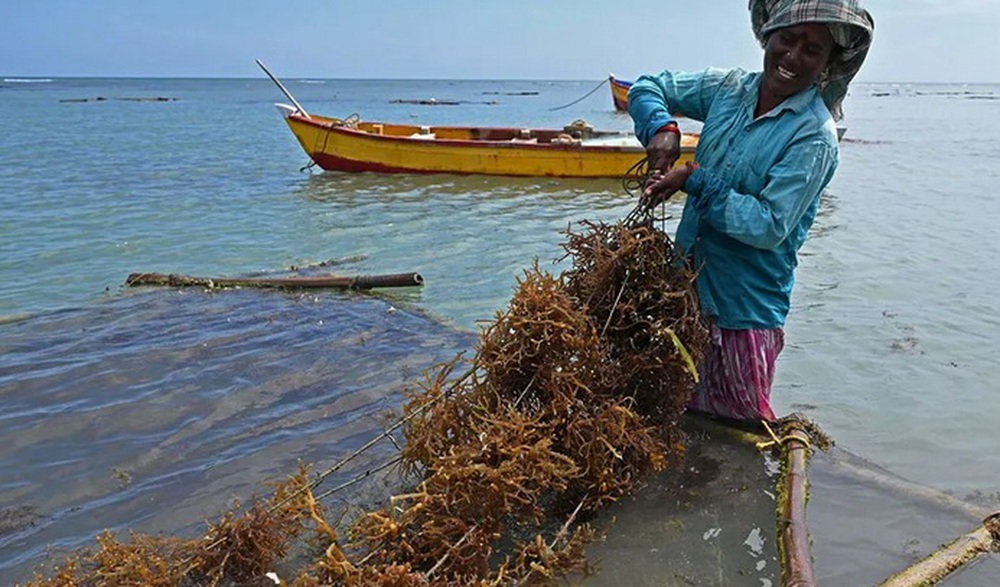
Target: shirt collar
{"type": "Point", "coordinates": [796, 103]}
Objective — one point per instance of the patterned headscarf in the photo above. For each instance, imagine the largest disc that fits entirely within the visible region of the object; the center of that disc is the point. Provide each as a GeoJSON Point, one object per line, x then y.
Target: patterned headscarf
{"type": "Point", "coordinates": [850, 25]}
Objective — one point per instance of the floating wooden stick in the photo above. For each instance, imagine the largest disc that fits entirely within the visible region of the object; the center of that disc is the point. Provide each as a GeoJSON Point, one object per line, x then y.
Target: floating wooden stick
{"type": "Point", "coordinates": [933, 568]}
{"type": "Point", "coordinates": [325, 281]}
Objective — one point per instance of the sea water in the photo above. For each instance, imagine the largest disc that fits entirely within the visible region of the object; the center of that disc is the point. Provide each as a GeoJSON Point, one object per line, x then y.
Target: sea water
{"type": "Point", "coordinates": [152, 410]}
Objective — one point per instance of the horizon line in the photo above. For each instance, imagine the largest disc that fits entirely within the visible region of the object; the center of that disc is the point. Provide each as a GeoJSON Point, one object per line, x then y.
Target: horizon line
{"type": "Point", "coordinates": [9, 78]}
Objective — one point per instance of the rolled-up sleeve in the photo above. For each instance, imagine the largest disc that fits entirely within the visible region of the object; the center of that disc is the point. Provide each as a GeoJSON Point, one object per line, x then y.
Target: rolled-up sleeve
{"type": "Point", "coordinates": [764, 221]}
{"type": "Point", "coordinates": [654, 100]}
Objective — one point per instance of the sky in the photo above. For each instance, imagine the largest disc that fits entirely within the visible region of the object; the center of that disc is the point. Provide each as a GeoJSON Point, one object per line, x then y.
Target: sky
{"type": "Point", "coordinates": [915, 40]}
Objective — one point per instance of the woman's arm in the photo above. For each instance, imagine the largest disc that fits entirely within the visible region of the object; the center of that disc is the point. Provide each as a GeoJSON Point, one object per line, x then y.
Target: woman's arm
{"type": "Point", "coordinates": [792, 185]}
{"type": "Point", "coordinates": [654, 100]}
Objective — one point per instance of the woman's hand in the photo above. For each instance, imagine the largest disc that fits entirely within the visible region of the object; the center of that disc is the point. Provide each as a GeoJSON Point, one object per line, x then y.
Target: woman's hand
{"type": "Point", "coordinates": [664, 148]}
{"type": "Point", "coordinates": [660, 186]}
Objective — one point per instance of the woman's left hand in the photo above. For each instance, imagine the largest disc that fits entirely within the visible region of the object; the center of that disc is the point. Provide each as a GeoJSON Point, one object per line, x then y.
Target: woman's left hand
{"type": "Point", "coordinates": [660, 186]}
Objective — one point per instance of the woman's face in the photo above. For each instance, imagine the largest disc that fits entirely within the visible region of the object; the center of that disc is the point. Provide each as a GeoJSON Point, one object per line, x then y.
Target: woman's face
{"type": "Point", "coordinates": [794, 58]}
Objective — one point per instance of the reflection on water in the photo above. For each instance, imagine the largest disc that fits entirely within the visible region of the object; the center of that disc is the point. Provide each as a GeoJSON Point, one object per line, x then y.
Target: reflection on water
{"type": "Point", "coordinates": [356, 188]}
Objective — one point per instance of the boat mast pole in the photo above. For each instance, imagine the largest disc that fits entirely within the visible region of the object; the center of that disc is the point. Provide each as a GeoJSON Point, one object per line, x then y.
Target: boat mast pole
{"type": "Point", "coordinates": [283, 89]}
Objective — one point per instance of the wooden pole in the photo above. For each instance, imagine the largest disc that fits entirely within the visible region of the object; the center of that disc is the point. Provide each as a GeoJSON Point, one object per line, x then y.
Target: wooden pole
{"type": "Point", "coordinates": [283, 89]}
{"type": "Point", "coordinates": [933, 568]}
{"type": "Point", "coordinates": [327, 281]}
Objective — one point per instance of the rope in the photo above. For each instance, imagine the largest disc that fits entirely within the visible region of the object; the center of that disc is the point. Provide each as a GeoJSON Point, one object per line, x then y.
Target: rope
{"type": "Point", "coordinates": [635, 178]}
{"type": "Point", "coordinates": [775, 441]}
{"type": "Point", "coordinates": [360, 477]}
{"type": "Point", "coordinates": [633, 181]}
{"type": "Point", "coordinates": [581, 98]}
{"type": "Point", "coordinates": [388, 432]}
{"type": "Point", "coordinates": [349, 122]}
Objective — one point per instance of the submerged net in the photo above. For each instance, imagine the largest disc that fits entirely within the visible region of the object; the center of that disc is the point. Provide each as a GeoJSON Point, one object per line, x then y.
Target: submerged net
{"type": "Point", "coordinates": [573, 395]}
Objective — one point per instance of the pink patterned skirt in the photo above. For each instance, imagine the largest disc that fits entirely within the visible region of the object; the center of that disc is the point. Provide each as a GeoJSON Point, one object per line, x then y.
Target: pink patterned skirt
{"type": "Point", "coordinates": [736, 374]}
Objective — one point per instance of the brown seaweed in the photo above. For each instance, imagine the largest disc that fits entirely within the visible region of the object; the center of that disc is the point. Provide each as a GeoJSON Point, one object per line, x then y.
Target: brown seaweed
{"type": "Point", "coordinates": [573, 395]}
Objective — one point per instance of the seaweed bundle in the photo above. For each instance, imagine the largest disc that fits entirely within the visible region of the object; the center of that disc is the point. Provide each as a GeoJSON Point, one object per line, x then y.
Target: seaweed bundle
{"type": "Point", "coordinates": [573, 395]}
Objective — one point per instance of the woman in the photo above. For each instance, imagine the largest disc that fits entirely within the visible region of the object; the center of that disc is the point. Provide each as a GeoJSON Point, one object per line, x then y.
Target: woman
{"type": "Point", "coordinates": [768, 147]}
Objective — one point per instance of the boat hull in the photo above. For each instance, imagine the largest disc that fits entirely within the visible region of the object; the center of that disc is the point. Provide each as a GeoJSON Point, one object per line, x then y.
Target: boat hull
{"type": "Point", "coordinates": [387, 148]}
{"type": "Point", "coordinates": [619, 93]}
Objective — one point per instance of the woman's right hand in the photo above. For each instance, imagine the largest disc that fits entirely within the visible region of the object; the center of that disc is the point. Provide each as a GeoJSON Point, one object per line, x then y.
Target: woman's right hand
{"type": "Point", "coordinates": [660, 186]}
{"type": "Point", "coordinates": [663, 150]}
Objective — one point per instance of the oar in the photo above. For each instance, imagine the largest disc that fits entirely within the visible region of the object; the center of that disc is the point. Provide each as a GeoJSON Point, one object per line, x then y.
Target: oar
{"type": "Point", "coordinates": [283, 89]}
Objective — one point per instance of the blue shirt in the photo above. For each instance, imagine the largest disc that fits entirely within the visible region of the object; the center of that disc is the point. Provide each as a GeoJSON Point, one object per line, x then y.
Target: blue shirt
{"type": "Point", "coordinates": [752, 200]}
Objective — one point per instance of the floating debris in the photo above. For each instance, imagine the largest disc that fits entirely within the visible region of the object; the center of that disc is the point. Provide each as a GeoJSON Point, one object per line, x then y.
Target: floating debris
{"type": "Point", "coordinates": [105, 99]}
{"type": "Point", "coordinates": [436, 102]}
{"type": "Point", "coordinates": [293, 282]}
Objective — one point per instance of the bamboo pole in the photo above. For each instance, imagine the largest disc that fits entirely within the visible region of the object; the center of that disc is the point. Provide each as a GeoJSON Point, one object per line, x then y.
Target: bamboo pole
{"type": "Point", "coordinates": [325, 281]}
{"type": "Point", "coordinates": [933, 568]}
{"type": "Point", "coordinates": [874, 477]}
{"type": "Point", "coordinates": [793, 533]}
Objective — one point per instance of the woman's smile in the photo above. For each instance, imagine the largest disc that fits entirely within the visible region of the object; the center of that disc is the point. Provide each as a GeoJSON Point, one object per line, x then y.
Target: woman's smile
{"type": "Point", "coordinates": [786, 74]}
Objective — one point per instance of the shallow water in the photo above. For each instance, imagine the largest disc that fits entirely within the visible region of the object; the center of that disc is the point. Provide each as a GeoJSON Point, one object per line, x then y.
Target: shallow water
{"type": "Point", "coordinates": [154, 410]}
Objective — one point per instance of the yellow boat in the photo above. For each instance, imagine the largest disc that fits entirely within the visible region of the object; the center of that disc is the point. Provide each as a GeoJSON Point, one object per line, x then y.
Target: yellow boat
{"type": "Point", "coordinates": [576, 150]}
